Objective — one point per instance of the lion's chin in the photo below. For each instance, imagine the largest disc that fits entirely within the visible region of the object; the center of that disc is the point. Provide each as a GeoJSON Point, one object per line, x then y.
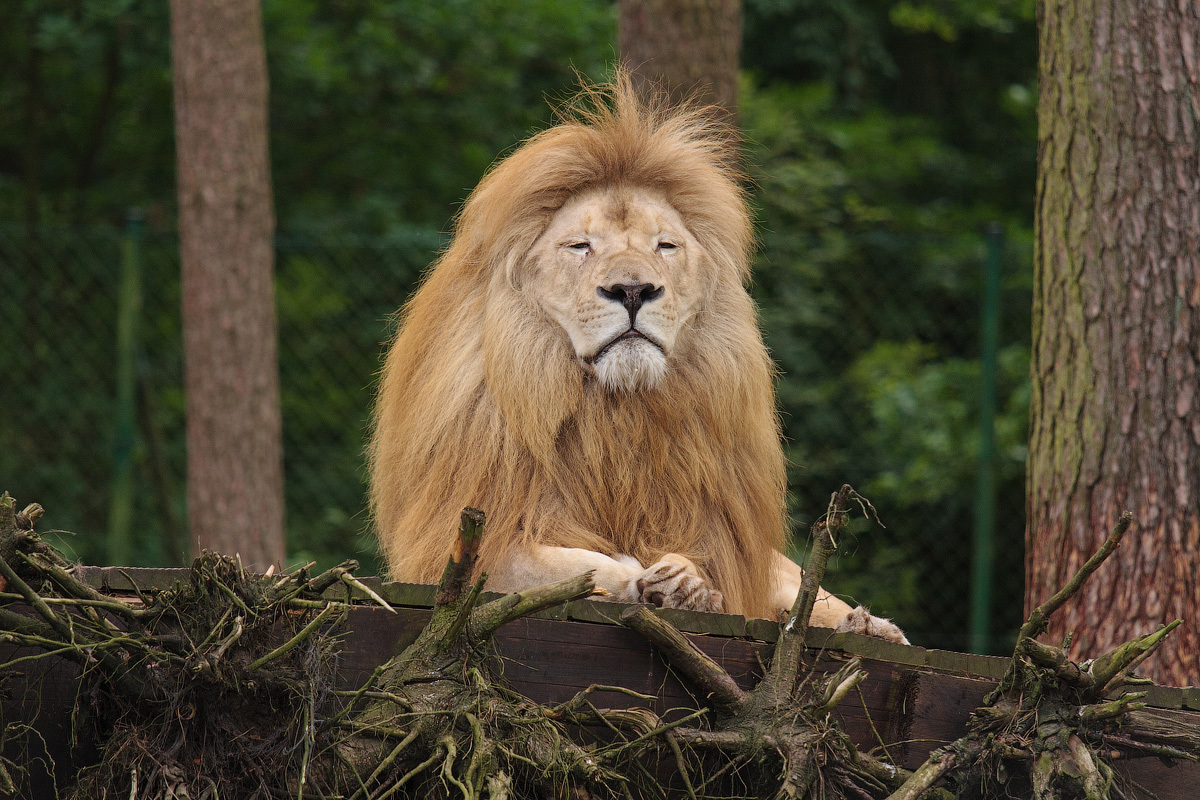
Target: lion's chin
{"type": "Point", "coordinates": [631, 366]}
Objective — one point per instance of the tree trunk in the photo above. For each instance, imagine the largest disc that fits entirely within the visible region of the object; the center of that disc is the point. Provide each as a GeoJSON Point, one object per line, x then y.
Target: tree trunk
{"type": "Point", "coordinates": [684, 46]}
{"type": "Point", "coordinates": [1116, 338]}
{"type": "Point", "coordinates": [226, 229]}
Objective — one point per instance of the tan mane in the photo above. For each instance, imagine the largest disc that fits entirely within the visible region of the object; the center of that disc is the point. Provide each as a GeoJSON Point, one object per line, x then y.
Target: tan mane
{"type": "Point", "coordinates": [482, 401]}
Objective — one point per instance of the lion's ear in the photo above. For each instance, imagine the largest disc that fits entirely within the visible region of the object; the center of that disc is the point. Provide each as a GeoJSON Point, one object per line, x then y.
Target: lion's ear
{"type": "Point", "coordinates": [530, 371]}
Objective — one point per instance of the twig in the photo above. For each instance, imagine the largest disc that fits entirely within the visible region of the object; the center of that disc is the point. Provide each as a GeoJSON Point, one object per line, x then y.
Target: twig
{"type": "Point", "coordinates": [670, 726]}
{"type": "Point", "coordinates": [61, 626]}
{"type": "Point", "coordinates": [1171, 731]}
{"type": "Point", "coordinates": [328, 578]}
{"type": "Point", "coordinates": [1040, 616]}
{"type": "Point", "coordinates": [581, 697]}
{"type": "Point", "coordinates": [681, 654]}
{"type": "Point", "coordinates": [71, 586]}
{"type": "Point", "coordinates": [1054, 659]}
{"type": "Point", "coordinates": [350, 580]}
{"type": "Point", "coordinates": [785, 666]}
{"type": "Point", "coordinates": [1138, 749]}
{"type": "Point", "coordinates": [1112, 709]}
{"type": "Point", "coordinates": [34, 599]}
{"type": "Point", "coordinates": [462, 561]}
{"type": "Point", "coordinates": [490, 616]}
{"type": "Point", "coordinates": [391, 756]}
{"type": "Point", "coordinates": [1110, 670]}
{"type": "Point", "coordinates": [681, 762]}
{"type": "Point", "coordinates": [115, 606]}
{"type": "Point", "coordinates": [287, 646]}
{"type": "Point", "coordinates": [356, 695]}
{"type": "Point", "coordinates": [940, 762]}
{"type": "Point", "coordinates": [842, 682]}
{"type": "Point", "coordinates": [208, 661]}
{"type": "Point", "coordinates": [464, 613]}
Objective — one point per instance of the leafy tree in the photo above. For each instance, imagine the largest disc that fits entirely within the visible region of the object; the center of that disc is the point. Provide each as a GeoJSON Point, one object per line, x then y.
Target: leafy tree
{"type": "Point", "coordinates": [88, 93]}
{"type": "Point", "coordinates": [882, 148]}
{"type": "Point", "coordinates": [384, 113]}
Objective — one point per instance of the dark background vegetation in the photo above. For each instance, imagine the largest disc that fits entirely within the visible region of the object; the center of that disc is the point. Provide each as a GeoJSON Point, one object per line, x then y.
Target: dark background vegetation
{"type": "Point", "coordinates": [882, 137]}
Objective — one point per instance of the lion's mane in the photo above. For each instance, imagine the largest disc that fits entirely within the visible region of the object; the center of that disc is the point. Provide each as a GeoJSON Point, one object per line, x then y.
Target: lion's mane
{"type": "Point", "coordinates": [483, 403]}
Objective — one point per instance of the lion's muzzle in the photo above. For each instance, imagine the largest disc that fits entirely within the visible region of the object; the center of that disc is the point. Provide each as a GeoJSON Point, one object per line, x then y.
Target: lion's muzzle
{"type": "Point", "coordinates": [631, 335]}
{"type": "Point", "coordinates": [632, 296]}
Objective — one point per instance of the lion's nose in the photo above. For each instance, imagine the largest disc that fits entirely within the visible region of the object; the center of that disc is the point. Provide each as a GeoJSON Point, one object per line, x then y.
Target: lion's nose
{"type": "Point", "coordinates": [632, 296]}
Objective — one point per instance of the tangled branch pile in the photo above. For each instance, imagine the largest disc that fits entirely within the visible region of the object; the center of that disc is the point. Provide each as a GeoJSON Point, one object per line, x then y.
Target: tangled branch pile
{"type": "Point", "coordinates": [1057, 726]}
{"type": "Point", "coordinates": [224, 687]}
{"type": "Point", "coordinates": [169, 683]}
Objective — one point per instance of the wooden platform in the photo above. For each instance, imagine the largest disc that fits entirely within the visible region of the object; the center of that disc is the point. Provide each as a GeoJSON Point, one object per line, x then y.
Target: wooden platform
{"type": "Point", "coordinates": [915, 699]}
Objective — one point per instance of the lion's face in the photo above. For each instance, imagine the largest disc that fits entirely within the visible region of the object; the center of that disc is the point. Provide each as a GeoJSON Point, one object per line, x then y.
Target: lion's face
{"type": "Point", "coordinates": [619, 271]}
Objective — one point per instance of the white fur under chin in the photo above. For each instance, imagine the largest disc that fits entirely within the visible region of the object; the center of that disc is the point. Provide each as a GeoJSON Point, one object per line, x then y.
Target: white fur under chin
{"type": "Point", "coordinates": [631, 366]}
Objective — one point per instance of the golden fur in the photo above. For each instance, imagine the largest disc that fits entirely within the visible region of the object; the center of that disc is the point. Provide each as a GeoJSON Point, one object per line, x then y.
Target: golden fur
{"type": "Point", "coordinates": [593, 428]}
{"type": "Point", "coordinates": [482, 402]}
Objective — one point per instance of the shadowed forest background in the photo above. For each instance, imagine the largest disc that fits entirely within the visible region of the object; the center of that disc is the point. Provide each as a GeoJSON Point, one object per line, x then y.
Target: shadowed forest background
{"type": "Point", "coordinates": [882, 138]}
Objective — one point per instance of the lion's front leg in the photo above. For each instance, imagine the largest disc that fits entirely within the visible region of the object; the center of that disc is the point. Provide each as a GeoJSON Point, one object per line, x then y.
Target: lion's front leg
{"type": "Point", "coordinates": [829, 611]}
{"type": "Point", "coordinates": [674, 582]}
{"type": "Point", "coordinates": [540, 564]}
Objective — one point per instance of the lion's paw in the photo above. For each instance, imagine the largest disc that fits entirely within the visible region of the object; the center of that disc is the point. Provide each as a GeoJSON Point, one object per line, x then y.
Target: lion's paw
{"type": "Point", "coordinates": [674, 582]}
{"type": "Point", "coordinates": [860, 621]}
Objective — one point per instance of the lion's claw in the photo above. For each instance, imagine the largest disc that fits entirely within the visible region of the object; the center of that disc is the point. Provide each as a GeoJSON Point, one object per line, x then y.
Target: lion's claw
{"type": "Point", "coordinates": [674, 582]}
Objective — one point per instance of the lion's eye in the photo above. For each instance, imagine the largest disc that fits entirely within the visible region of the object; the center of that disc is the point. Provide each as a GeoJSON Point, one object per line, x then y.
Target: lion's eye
{"type": "Point", "coordinates": [579, 247]}
{"type": "Point", "coordinates": [667, 247]}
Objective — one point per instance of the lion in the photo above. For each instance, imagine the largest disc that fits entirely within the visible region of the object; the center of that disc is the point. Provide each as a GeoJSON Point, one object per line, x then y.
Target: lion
{"type": "Point", "coordinates": [584, 363]}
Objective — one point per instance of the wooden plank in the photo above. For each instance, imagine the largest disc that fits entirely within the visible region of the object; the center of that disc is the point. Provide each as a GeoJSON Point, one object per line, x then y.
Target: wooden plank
{"type": "Point", "coordinates": [41, 693]}
{"type": "Point", "coordinates": [932, 711]}
{"type": "Point", "coordinates": [1166, 780]}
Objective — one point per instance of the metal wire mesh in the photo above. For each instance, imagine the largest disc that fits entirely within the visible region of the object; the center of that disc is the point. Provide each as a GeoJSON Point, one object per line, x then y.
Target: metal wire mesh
{"type": "Point", "coordinates": [872, 393]}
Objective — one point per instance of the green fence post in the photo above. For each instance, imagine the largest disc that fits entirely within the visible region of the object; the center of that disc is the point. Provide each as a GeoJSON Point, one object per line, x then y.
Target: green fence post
{"type": "Point", "coordinates": [985, 490]}
{"type": "Point", "coordinates": [129, 303]}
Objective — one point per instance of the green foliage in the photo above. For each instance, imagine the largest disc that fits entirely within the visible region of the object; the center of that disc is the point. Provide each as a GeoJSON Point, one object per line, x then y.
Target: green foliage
{"type": "Point", "coordinates": [947, 18]}
{"type": "Point", "coordinates": [925, 431]}
{"type": "Point", "coordinates": [869, 281]}
{"type": "Point", "coordinates": [86, 99]}
{"type": "Point", "coordinates": [384, 113]}
{"type": "Point", "coordinates": [347, 288]}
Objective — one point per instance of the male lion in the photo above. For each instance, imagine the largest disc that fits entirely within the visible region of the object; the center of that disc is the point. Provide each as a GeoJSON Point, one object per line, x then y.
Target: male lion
{"type": "Point", "coordinates": [584, 363]}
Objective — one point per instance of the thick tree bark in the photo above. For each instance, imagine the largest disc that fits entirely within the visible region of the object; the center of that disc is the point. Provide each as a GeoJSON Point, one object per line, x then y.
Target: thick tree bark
{"type": "Point", "coordinates": [226, 229]}
{"type": "Point", "coordinates": [1116, 337]}
{"type": "Point", "coordinates": [684, 46]}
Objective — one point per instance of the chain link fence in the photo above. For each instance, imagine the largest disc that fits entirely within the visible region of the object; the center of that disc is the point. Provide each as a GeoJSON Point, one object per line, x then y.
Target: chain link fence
{"type": "Point", "coordinates": [873, 392]}
{"type": "Point", "coordinates": [60, 318]}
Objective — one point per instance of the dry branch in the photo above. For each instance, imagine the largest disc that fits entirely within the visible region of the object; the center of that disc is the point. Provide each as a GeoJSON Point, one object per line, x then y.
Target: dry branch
{"type": "Point", "coordinates": [237, 657]}
{"type": "Point", "coordinates": [712, 680]}
{"type": "Point", "coordinates": [785, 666]}
{"type": "Point", "coordinates": [783, 726]}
